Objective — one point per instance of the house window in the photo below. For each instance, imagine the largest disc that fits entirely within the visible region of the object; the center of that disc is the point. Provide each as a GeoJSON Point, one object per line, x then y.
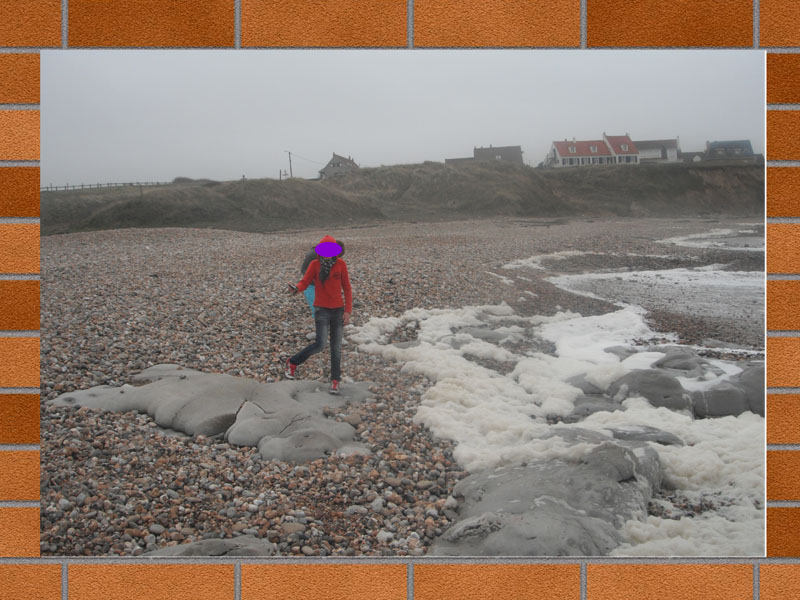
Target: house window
{"type": "Point", "coordinates": [572, 149]}
{"type": "Point", "coordinates": [563, 161]}
{"type": "Point", "coordinates": [593, 148]}
{"type": "Point", "coordinates": [624, 147]}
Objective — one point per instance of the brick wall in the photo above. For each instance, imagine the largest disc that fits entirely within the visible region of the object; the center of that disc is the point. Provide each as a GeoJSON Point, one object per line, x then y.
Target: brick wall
{"type": "Point", "coordinates": [28, 26]}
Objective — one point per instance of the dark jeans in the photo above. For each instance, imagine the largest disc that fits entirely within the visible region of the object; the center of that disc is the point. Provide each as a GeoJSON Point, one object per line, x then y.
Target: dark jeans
{"type": "Point", "coordinates": [325, 319]}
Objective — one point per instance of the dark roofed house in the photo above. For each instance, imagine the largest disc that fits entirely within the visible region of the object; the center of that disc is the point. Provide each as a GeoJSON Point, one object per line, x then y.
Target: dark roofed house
{"type": "Point", "coordinates": [337, 165]}
{"type": "Point", "coordinates": [505, 153]}
{"type": "Point", "coordinates": [730, 150]}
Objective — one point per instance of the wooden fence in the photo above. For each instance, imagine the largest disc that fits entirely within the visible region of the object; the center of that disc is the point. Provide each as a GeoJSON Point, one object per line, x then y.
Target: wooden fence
{"type": "Point", "coordinates": [88, 186]}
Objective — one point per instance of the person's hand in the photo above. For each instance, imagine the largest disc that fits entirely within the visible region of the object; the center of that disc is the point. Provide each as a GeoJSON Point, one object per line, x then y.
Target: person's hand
{"type": "Point", "coordinates": [293, 289]}
{"type": "Point", "coordinates": [346, 319]}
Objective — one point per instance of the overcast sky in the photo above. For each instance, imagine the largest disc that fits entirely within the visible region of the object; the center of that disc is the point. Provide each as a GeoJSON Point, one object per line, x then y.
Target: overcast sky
{"type": "Point", "coordinates": [152, 115]}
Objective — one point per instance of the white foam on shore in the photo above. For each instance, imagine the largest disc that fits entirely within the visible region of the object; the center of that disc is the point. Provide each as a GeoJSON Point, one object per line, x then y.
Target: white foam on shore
{"type": "Point", "coordinates": [701, 291]}
{"type": "Point", "coordinates": [747, 239]}
{"type": "Point", "coordinates": [535, 262]}
{"type": "Point", "coordinates": [497, 419]}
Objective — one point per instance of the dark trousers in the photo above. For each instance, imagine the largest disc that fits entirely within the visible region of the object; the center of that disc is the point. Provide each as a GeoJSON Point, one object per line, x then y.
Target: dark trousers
{"type": "Point", "coordinates": [325, 319]}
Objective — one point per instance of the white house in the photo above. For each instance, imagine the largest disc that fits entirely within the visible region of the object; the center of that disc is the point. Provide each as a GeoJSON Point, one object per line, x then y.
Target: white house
{"type": "Point", "coordinates": [611, 150]}
{"type": "Point", "coordinates": [658, 151]}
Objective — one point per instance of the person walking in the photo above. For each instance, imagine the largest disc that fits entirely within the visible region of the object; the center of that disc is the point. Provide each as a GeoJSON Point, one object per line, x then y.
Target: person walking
{"type": "Point", "coordinates": [309, 291]}
{"type": "Point", "coordinates": [330, 277]}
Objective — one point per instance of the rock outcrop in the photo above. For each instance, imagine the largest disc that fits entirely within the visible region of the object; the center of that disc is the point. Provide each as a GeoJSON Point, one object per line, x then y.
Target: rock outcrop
{"type": "Point", "coordinates": [285, 420]}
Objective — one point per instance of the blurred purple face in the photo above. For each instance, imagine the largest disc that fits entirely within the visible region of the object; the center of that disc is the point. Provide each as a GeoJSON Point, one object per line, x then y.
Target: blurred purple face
{"type": "Point", "coordinates": [328, 249]}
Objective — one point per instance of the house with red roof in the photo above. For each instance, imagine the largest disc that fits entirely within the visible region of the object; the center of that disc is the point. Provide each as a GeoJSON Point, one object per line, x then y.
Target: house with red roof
{"type": "Point", "coordinates": [610, 150]}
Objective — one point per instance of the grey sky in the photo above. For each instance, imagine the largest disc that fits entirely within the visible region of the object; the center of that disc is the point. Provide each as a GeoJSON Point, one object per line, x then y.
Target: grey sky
{"type": "Point", "coordinates": [146, 115]}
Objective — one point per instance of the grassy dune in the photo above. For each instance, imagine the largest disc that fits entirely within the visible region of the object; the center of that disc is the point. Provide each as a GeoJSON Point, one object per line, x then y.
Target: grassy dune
{"type": "Point", "coordinates": [420, 192]}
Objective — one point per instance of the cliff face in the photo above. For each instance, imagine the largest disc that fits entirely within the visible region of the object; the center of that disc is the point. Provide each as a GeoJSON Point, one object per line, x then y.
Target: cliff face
{"type": "Point", "coordinates": [429, 191]}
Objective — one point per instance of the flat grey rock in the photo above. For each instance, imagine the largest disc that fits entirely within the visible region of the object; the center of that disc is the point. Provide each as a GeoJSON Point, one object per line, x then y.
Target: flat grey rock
{"type": "Point", "coordinates": [683, 360]}
{"type": "Point", "coordinates": [554, 507]}
{"type": "Point", "coordinates": [243, 411]}
{"type": "Point", "coordinates": [645, 433]}
{"type": "Point", "coordinates": [245, 545]}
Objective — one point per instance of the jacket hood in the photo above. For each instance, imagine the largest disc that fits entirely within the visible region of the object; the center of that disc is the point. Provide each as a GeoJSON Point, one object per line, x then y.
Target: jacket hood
{"type": "Point", "coordinates": [328, 247]}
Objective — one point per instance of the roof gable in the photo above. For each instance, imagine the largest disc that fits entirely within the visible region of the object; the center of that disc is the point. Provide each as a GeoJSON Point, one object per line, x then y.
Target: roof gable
{"type": "Point", "coordinates": [582, 148]}
{"type": "Point", "coordinates": [616, 142]}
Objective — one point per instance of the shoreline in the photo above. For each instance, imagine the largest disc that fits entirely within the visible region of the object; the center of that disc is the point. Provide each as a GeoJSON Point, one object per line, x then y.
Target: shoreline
{"type": "Point", "coordinates": [219, 308]}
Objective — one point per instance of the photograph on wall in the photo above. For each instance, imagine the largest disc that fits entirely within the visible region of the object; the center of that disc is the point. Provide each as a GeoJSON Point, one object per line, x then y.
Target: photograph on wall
{"type": "Point", "coordinates": [401, 304]}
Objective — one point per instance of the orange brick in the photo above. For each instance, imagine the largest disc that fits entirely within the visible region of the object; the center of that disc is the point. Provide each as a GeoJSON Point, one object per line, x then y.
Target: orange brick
{"type": "Point", "coordinates": [20, 475]}
{"type": "Point", "coordinates": [19, 135]}
{"type": "Point", "coordinates": [783, 78]}
{"type": "Point", "coordinates": [19, 362]}
{"type": "Point", "coordinates": [319, 23]}
{"type": "Point", "coordinates": [779, 582]}
{"type": "Point", "coordinates": [19, 419]}
{"type": "Point", "coordinates": [152, 23]}
{"type": "Point", "coordinates": [19, 191]}
{"type": "Point", "coordinates": [19, 78]}
{"type": "Point", "coordinates": [783, 419]}
{"type": "Point", "coordinates": [783, 361]}
{"type": "Point", "coordinates": [783, 143]}
{"type": "Point", "coordinates": [684, 582]}
{"type": "Point", "coordinates": [783, 475]}
{"type": "Point", "coordinates": [332, 582]}
{"type": "Point", "coordinates": [19, 248]}
{"type": "Point", "coordinates": [497, 582]}
{"type": "Point", "coordinates": [19, 532]}
{"type": "Point", "coordinates": [30, 582]}
{"type": "Point", "coordinates": [783, 248]}
{"type": "Point", "coordinates": [154, 582]}
{"type": "Point", "coordinates": [19, 305]}
{"type": "Point", "coordinates": [681, 23]}
{"type": "Point", "coordinates": [778, 23]}
{"type": "Point", "coordinates": [783, 305]}
{"type": "Point", "coordinates": [509, 23]}
{"type": "Point", "coordinates": [783, 524]}
{"type": "Point", "coordinates": [783, 191]}
{"type": "Point", "coordinates": [31, 23]}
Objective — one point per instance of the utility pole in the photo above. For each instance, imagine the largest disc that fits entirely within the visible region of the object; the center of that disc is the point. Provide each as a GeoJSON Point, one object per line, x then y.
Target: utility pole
{"type": "Point", "coordinates": [290, 163]}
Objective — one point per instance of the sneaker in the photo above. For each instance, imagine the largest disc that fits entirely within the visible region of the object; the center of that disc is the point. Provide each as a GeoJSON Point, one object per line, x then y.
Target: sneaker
{"type": "Point", "coordinates": [334, 387]}
{"type": "Point", "coordinates": [290, 369]}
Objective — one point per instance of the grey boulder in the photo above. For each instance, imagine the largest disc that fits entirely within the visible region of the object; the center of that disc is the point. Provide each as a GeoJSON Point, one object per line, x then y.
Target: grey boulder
{"type": "Point", "coordinates": [554, 507]}
{"type": "Point", "coordinates": [657, 387]}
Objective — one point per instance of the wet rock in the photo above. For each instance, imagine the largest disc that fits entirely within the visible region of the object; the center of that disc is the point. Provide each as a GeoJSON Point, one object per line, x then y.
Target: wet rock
{"type": "Point", "coordinates": [554, 507]}
{"type": "Point", "coordinates": [586, 405]}
{"type": "Point", "coordinates": [656, 387]}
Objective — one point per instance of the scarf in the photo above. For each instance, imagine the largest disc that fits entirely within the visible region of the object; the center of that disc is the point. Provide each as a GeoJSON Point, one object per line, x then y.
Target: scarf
{"type": "Point", "coordinates": [325, 266]}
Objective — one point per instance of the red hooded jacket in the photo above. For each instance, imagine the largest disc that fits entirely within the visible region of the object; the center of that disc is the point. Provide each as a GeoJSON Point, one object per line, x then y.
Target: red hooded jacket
{"type": "Point", "coordinates": [328, 294]}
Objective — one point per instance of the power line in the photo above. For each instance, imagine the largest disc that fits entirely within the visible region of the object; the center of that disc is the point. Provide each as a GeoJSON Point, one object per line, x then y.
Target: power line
{"type": "Point", "coordinates": [308, 159]}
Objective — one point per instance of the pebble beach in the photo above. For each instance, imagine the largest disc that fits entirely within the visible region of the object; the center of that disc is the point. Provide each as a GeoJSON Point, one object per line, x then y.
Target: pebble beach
{"type": "Point", "coordinates": [117, 302]}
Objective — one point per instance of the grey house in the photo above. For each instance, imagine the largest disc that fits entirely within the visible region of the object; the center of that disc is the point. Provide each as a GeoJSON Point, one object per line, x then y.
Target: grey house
{"type": "Point", "coordinates": [504, 153]}
{"type": "Point", "coordinates": [337, 165]}
{"type": "Point", "coordinates": [730, 149]}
